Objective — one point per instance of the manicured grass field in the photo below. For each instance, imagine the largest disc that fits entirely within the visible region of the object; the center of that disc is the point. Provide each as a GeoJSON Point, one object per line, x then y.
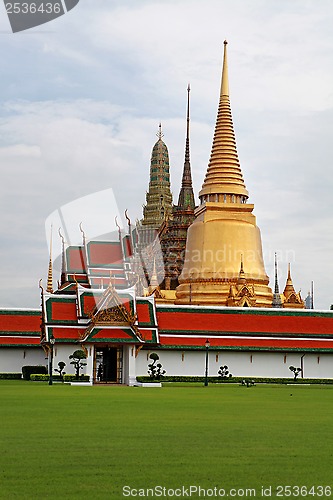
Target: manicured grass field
{"type": "Point", "coordinates": [64, 442]}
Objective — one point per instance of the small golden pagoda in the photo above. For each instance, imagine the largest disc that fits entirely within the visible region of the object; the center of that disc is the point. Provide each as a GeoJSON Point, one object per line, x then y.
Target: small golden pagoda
{"type": "Point", "coordinates": [290, 298]}
{"type": "Point", "coordinates": [224, 237]}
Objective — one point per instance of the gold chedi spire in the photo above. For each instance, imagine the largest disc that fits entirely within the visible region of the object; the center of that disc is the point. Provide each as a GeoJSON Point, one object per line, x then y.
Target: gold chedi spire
{"type": "Point", "coordinates": [224, 179]}
{"type": "Point", "coordinates": [224, 232]}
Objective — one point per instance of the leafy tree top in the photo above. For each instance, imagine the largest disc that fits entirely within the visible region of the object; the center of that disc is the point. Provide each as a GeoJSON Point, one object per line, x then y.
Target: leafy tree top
{"type": "Point", "coordinates": [79, 354]}
{"type": "Point", "coordinates": [154, 356]}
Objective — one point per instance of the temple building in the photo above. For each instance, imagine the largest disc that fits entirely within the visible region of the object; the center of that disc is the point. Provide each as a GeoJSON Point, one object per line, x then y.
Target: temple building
{"type": "Point", "coordinates": [182, 279]}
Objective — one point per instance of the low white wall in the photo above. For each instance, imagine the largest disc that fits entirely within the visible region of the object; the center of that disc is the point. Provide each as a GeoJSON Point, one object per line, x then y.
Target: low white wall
{"type": "Point", "coordinates": [240, 363]}
{"type": "Point", "coordinates": [187, 363]}
{"type": "Point", "coordinates": [318, 365]}
{"type": "Point", "coordinates": [13, 358]}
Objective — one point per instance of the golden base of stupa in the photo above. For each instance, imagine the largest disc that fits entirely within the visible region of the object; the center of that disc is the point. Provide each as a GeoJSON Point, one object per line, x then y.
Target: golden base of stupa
{"type": "Point", "coordinates": [224, 262]}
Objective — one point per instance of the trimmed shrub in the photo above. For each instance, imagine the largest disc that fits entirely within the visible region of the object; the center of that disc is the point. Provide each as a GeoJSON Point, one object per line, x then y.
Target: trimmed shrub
{"type": "Point", "coordinates": [224, 372]}
{"type": "Point", "coordinates": [72, 378]}
{"type": "Point", "coordinates": [77, 358]}
{"type": "Point", "coordinates": [11, 376]}
{"type": "Point", "coordinates": [29, 370]}
{"type": "Point", "coordinates": [155, 369]}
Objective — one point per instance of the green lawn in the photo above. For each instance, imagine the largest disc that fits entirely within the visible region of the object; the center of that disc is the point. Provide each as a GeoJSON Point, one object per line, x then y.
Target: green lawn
{"type": "Point", "coordinates": [64, 442]}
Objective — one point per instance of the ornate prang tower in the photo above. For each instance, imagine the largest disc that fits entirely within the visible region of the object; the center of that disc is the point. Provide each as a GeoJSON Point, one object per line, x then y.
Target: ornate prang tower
{"type": "Point", "coordinates": [224, 262]}
{"type": "Point", "coordinates": [157, 211]}
{"type": "Point", "coordinates": [159, 197]}
{"type": "Point", "coordinates": [173, 241]}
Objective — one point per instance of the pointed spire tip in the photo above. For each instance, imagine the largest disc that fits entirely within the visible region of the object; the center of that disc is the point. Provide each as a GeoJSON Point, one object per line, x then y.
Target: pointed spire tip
{"type": "Point", "coordinates": [160, 133]}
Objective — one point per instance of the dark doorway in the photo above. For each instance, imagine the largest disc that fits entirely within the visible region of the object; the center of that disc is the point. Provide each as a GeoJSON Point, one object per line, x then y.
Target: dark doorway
{"type": "Point", "coordinates": [107, 361]}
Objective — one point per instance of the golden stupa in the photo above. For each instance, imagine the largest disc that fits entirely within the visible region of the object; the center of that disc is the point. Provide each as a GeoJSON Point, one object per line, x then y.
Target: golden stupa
{"type": "Point", "coordinates": [223, 261]}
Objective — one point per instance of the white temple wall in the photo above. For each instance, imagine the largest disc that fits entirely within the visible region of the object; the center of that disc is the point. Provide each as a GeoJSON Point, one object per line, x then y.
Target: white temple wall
{"type": "Point", "coordinates": [178, 362]}
{"type": "Point", "coordinates": [240, 363]}
{"type": "Point", "coordinates": [13, 358]}
{"type": "Point", "coordinates": [318, 365]}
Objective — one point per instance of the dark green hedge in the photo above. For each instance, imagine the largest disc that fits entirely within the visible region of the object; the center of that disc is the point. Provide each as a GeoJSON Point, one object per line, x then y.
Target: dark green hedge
{"type": "Point", "coordinates": [29, 370]}
{"type": "Point", "coordinates": [72, 378]}
{"type": "Point", "coordinates": [11, 376]}
{"type": "Point", "coordinates": [41, 377]}
{"type": "Point", "coordinates": [235, 380]}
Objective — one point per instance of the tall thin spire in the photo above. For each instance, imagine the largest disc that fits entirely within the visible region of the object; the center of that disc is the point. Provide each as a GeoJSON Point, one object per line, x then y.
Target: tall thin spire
{"type": "Point", "coordinates": [224, 180]}
{"type": "Point", "coordinates": [186, 195]}
{"type": "Point", "coordinates": [49, 287]}
{"type": "Point", "coordinates": [173, 242]}
{"type": "Point", "coordinates": [277, 302]}
{"type": "Point", "coordinates": [225, 75]}
{"type": "Point", "coordinates": [187, 144]}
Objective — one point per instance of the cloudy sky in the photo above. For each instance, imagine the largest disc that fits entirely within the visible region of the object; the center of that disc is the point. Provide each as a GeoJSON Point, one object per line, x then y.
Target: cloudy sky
{"type": "Point", "coordinates": [82, 97]}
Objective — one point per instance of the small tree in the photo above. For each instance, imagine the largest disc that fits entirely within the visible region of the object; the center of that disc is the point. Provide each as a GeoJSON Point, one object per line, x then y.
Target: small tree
{"type": "Point", "coordinates": [60, 369]}
{"type": "Point", "coordinates": [224, 372]}
{"type": "Point", "coordinates": [296, 371]}
{"type": "Point", "coordinates": [77, 358]}
{"type": "Point", "coordinates": [155, 369]}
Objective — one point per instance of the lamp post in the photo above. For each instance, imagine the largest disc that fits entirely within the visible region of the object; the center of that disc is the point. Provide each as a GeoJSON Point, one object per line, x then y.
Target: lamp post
{"type": "Point", "coordinates": [52, 342]}
{"type": "Point", "coordinates": [207, 344]}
